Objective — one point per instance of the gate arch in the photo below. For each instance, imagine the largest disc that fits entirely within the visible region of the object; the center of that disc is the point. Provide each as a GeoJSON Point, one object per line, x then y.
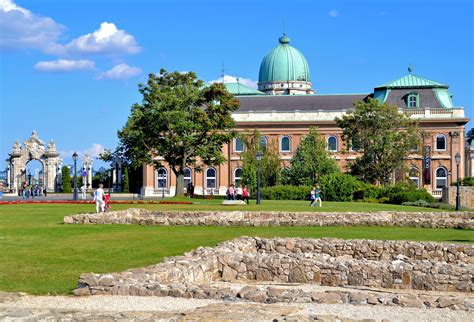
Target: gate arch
{"type": "Point", "coordinates": [33, 149]}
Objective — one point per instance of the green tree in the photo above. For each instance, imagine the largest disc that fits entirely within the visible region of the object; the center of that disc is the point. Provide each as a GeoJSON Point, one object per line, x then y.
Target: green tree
{"type": "Point", "coordinates": [310, 161]}
{"type": "Point", "coordinates": [270, 170]}
{"type": "Point", "coordinates": [181, 121]}
{"type": "Point", "coordinates": [66, 179]}
{"type": "Point", "coordinates": [125, 182]}
{"type": "Point", "coordinates": [385, 138]}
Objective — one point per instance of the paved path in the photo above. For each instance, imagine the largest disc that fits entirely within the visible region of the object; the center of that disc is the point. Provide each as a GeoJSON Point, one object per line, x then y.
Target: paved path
{"type": "Point", "coordinates": [14, 307]}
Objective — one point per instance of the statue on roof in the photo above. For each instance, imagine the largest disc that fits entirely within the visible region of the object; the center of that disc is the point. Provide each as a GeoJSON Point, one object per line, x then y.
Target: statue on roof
{"type": "Point", "coordinates": [16, 147]}
{"type": "Point", "coordinates": [51, 146]}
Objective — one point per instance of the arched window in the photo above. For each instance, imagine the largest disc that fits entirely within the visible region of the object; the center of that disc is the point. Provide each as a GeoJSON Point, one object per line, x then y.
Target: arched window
{"type": "Point", "coordinates": [211, 181]}
{"type": "Point", "coordinates": [187, 177]}
{"type": "Point", "coordinates": [285, 144]}
{"type": "Point", "coordinates": [238, 145]}
{"type": "Point", "coordinates": [414, 176]}
{"type": "Point", "coordinates": [441, 142]}
{"type": "Point", "coordinates": [412, 100]}
{"type": "Point", "coordinates": [263, 142]}
{"type": "Point", "coordinates": [162, 176]}
{"type": "Point", "coordinates": [441, 178]}
{"type": "Point", "coordinates": [237, 175]}
{"type": "Point", "coordinates": [332, 144]}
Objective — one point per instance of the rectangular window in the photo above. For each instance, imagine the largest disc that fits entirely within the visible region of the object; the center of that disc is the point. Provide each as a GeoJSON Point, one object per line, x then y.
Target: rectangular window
{"type": "Point", "coordinates": [238, 145]}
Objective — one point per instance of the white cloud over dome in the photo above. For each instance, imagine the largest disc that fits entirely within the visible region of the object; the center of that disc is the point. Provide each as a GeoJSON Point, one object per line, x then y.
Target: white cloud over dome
{"type": "Point", "coordinates": [121, 71]}
{"type": "Point", "coordinates": [233, 79]}
{"type": "Point", "coordinates": [20, 28]}
{"type": "Point", "coordinates": [108, 39]}
{"type": "Point", "coordinates": [64, 65]}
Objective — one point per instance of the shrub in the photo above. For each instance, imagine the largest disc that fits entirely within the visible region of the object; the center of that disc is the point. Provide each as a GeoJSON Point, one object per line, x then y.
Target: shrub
{"type": "Point", "coordinates": [423, 203]}
{"type": "Point", "coordinates": [403, 192]}
{"type": "Point", "coordinates": [285, 192]}
{"type": "Point", "coordinates": [338, 187]}
{"type": "Point", "coordinates": [468, 181]}
{"type": "Point", "coordinates": [366, 191]}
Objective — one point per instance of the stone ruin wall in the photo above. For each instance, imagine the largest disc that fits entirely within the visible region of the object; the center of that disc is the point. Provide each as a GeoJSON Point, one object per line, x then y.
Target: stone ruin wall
{"type": "Point", "coordinates": [463, 220]}
{"type": "Point", "coordinates": [397, 265]}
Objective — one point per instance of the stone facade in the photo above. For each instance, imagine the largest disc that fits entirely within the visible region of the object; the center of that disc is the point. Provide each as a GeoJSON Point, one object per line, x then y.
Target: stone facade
{"type": "Point", "coordinates": [270, 264]}
{"type": "Point", "coordinates": [463, 220]}
{"type": "Point", "coordinates": [466, 195]}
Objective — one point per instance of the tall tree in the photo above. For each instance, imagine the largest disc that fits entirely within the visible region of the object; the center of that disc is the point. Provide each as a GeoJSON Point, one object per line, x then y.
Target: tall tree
{"type": "Point", "coordinates": [270, 165]}
{"type": "Point", "coordinates": [310, 161]}
{"type": "Point", "coordinates": [182, 121]}
{"type": "Point", "coordinates": [66, 179]}
{"type": "Point", "coordinates": [125, 183]}
{"type": "Point", "coordinates": [385, 138]}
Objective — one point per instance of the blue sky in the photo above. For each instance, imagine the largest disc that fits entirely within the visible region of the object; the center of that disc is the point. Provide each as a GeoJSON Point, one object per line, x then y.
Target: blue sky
{"type": "Point", "coordinates": [70, 69]}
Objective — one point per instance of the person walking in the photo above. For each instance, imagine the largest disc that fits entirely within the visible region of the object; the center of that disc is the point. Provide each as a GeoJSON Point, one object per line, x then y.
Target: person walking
{"type": "Point", "coordinates": [238, 192]}
{"type": "Point", "coordinates": [99, 199]}
{"type": "Point", "coordinates": [83, 192]}
{"type": "Point", "coordinates": [312, 196]}
{"type": "Point", "coordinates": [317, 196]}
{"type": "Point", "coordinates": [231, 192]}
{"type": "Point", "coordinates": [245, 194]}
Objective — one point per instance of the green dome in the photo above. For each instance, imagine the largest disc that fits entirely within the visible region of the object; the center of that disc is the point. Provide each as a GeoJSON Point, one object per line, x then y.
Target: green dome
{"type": "Point", "coordinates": [284, 63]}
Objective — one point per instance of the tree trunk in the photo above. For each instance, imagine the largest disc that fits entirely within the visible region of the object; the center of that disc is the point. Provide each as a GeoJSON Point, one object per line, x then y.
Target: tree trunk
{"type": "Point", "coordinates": [179, 184]}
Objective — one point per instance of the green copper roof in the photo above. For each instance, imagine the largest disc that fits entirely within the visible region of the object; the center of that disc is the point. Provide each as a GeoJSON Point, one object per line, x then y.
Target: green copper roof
{"type": "Point", "coordinates": [240, 89]}
{"type": "Point", "coordinates": [411, 80]}
{"type": "Point", "coordinates": [284, 63]}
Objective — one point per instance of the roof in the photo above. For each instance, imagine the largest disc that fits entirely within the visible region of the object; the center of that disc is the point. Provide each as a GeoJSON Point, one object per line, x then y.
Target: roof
{"type": "Point", "coordinates": [284, 63]}
{"type": "Point", "coordinates": [410, 81]}
{"type": "Point", "coordinates": [240, 89]}
{"type": "Point", "coordinates": [283, 103]}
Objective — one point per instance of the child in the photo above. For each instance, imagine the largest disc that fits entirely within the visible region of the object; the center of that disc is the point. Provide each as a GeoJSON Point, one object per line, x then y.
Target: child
{"type": "Point", "coordinates": [106, 200]}
{"type": "Point", "coordinates": [245, 194]}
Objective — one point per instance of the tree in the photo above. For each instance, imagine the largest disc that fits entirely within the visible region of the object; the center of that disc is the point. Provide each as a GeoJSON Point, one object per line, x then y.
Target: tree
{"type": "Point", "coordinates": [385, 138]}
{"type": "Point", "coordinates": [66, 179]}
{"type": "Point", "coordinates": [125, 183]}
{"type": "Point", "coordinates": [310, 161]}
{"type": "Point", "coordinates": [180, 121]}
{"type": "Point", "coordinates": [270, 164]}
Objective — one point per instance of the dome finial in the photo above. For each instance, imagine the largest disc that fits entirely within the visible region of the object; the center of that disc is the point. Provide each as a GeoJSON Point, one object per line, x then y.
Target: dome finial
{"type": "Point", "coordinates": [410, 68]}
{"type": "Point", "coordinates": [284, 39]}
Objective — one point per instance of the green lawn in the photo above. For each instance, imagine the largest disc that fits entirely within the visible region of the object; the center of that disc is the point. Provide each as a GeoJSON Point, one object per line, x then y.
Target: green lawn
{"type": "Point", "coordinates": [40, 255]}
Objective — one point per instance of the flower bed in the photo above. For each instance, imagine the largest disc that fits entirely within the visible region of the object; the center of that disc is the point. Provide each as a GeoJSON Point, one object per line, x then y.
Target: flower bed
{"type": "Point", "coordinates": [175, 203]}
{"type": "Point", "coordinates": [113, 202]}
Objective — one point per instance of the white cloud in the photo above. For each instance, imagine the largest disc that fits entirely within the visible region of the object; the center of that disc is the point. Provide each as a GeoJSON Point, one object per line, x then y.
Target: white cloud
{"type": "Point", "coordinates": [94, 151]}
{"type": "Point", "coordinates": [105, 40]}
{"type": "Point", "coordinates": [64, 65]}
{"type": "Point", "coordinates": [333, 13]}
{"type": "Point", "coordinates": [233, 79]}
{"type": "Point", "coordinates": [21, 28]}
{"type": "Point", "coordinates": [121, 71]}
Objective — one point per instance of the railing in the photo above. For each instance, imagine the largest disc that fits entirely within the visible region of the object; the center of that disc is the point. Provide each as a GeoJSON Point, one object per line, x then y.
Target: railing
{"type": "Point", "coordinates": [437, 193]}
{"type": "Point", "coordinates": [427, 112]}
{"type": "Point", "coordinates": [212, 191]}
{"type": "Point", "coordinates": [161, 191]}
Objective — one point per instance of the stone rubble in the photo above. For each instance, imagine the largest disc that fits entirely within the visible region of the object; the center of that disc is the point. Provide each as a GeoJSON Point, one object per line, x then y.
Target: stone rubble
{"type": "Point", "coordinates": [463, 220]}
{"type": "Point", "coordinates": [354, 264]}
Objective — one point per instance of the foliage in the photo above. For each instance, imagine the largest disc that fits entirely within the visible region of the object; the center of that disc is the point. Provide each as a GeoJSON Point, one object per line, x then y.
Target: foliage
{"type": "Point", "coordinates": [180, 119]}
{"type": "Point", "coordinates": [384, 136]}
{"type": "Point", "coordinates": [102, 177]}
{"type": "Point", "coordinates": [338, 186]}
{"type": "Point", "coordinates": [125, 182]}
{"type": "Point", "coordinates": [403, 192]}
{"type": "Point", "coordinates": [468, 181]}
{"type": "Point", "coordinates": [366, 191]}
{"type": "Point", "coordinates": [423, 203]}
{"type": "Point", "coordinates": [310, 161]}
{"type": "Point", "coordinates": [285, 192]}
{"type": "Point", "coordinates": [65, 179]}
{"type": "Point", "coordinates": [270, 171]}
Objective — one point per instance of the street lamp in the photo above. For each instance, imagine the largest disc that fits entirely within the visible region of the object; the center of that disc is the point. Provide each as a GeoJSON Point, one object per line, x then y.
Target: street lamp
{"type": "Point", "coordinates": [259, 159]}
{"type": "Point", "coordinates": [457, 157]}
{"type": "Point", "coordinates": [29, 178]}
{"type": "Point", "coordinates": [74, 157]}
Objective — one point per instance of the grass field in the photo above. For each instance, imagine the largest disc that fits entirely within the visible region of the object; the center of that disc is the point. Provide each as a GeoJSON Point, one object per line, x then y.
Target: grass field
{"type": "Point", "coordinates": [40, 255]}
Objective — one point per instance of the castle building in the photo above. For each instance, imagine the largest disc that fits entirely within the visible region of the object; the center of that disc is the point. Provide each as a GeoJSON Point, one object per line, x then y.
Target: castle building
{"type": "Point", "coordinates": [285, 106]}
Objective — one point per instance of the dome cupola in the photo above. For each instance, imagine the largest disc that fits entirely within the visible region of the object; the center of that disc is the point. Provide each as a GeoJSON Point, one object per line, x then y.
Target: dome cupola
{"type": "Point", "coordinates": [284, 70]}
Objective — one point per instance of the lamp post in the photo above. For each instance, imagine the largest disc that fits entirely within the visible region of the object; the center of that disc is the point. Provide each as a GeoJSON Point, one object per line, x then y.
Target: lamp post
{"type": "Point", "coordinates": [457, 157]}
{"type": "Point", "coordinates": [29, 178]}
{"type": "Point", "coordinates": [74, 157]}
{"type": "Point", "coordinates": [259, 160]}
